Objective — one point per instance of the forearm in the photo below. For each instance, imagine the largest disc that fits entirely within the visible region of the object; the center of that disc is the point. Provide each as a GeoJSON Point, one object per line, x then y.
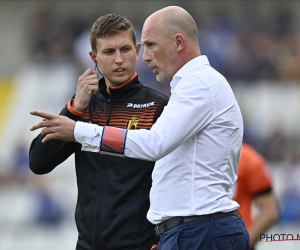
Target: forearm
{"type": "Point", "coordinates": [261, 224]}
{"type": "Point", "coordinates": [268, 215]}
{"type": "Point", "coordinates": [139, 144]}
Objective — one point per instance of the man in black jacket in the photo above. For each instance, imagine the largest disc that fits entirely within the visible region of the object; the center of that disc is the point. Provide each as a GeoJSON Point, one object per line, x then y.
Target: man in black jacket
{"type": "Point", "coordinates": [113, 192]}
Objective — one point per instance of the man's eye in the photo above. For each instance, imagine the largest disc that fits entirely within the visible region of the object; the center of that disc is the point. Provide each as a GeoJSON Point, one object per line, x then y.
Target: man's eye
{"type": "Point", "coordinates": [109, 52]}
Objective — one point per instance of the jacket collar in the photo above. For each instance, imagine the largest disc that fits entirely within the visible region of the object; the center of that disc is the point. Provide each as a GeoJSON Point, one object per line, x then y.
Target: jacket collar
{"type": "Point", "coordinates": [131, 86]}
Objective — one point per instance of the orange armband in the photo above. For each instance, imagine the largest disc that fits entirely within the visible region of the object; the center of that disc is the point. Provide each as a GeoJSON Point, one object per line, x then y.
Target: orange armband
{"type": "Point", "coordinates": [113, 141]}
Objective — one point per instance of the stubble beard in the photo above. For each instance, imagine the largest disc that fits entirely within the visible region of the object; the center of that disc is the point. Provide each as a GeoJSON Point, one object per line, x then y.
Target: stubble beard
{"type": "Point", "coordinates": [165, 76]}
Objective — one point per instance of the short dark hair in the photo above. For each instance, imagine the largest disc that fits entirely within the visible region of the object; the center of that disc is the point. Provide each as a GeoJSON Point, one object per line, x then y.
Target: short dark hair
{"type": "Point", "coordinates": [110, 24]}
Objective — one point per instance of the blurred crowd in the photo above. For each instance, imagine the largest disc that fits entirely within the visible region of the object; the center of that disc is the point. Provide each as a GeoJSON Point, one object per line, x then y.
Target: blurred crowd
{"type": "Point", "coordinates": [248, 49]}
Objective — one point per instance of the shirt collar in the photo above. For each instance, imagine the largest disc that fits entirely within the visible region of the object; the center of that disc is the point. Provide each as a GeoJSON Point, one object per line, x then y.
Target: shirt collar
{"type": "Point", "coordinates": [188, 68]}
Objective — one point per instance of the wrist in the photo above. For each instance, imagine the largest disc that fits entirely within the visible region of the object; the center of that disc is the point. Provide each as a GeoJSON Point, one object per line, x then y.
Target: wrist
{"type": "Point", "coordinates": [74, 109]}
{"type": "Point", "coordinates": [77, 105]}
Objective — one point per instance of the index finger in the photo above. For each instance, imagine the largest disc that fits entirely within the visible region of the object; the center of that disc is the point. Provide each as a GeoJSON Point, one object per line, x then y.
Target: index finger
{"type": "Point", "coordinates": [90, 72]}
{"type": "Point", "coordinates": [44, 115]}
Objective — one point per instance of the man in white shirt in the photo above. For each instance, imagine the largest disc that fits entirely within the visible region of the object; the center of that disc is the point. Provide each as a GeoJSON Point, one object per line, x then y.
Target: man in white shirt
{"type": "Point", "coordinates": [196, 142]}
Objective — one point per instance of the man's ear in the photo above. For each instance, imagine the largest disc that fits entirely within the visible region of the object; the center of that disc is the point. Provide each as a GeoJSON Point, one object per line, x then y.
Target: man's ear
{"type": "Point", "coordinates": [93, 56]}
{"type": "Point", "coordinates": [137, 48]}
{"type": "Point", "coordinates": [179, 42]}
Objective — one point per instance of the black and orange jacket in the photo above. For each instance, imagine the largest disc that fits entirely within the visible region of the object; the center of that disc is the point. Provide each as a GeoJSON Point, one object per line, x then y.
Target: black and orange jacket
{"type": "Point", "coordinates": [113, 192]}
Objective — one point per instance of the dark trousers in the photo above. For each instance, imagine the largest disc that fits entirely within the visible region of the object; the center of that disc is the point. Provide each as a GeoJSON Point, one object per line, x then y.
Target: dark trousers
{"type": "Point", "coordinates": [226, 233]}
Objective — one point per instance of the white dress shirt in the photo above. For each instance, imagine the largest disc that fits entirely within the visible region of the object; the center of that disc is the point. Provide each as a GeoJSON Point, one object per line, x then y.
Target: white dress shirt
{"type": "Point", "coordinates": [196, 144]}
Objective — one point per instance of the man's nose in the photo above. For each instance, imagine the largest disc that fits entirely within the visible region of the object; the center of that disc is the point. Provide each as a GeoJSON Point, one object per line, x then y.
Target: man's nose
{"type": "Point", "coordinates": [146, 56]}
{"type": "Point", "coordinates": [119, 58]}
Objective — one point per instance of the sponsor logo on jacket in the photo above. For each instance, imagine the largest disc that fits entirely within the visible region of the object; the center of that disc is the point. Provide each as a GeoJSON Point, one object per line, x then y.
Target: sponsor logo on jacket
{"type": "Point", "coordinates": [132, 123]}
{"type": "Point", "coordinates": [139, 106]}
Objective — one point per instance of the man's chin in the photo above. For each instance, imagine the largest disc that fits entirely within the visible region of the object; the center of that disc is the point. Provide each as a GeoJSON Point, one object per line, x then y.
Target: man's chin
{"type": "Point", "coordinates": [162, 79]}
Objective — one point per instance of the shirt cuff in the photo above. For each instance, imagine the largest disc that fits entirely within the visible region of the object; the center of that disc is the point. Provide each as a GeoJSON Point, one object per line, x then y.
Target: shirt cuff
{"type": "Point", "coordinates": [89, 135]}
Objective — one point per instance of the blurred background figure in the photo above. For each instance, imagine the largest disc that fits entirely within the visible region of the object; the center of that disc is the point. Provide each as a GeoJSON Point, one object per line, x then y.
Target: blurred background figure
{"type": "Point", "coordinates": [254, 44]}
{"type": "Point", "coordinates": [254, 192]}
{"type": "Point", "coordinates": [290, 203]}
{"type": "Point", "coordinates": [48, 209]}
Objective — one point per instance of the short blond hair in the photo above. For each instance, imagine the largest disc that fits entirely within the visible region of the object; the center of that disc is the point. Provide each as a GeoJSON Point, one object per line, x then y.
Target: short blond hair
{"type": "Point", "coordinates": [110, 24]}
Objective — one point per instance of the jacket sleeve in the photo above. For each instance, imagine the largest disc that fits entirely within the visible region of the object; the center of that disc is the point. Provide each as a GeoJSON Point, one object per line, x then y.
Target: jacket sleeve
{"type": "Point", "coordinates": [44, 157]}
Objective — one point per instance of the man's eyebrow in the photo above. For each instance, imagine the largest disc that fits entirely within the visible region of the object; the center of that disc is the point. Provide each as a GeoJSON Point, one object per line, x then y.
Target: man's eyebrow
{"type": "Point", "coordinates": [146, 42]}
{"type": "Point", "coordinates": [108, 49]}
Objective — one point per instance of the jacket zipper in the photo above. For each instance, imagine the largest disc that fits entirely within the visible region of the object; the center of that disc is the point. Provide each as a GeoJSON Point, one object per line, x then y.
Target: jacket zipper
{"type": "Point", "coordinates": [98, 207]}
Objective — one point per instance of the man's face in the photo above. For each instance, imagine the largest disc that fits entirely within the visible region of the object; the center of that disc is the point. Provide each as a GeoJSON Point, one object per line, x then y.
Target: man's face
{"type": "Point", "coordinates": [159, 53]}
{"type": "Point", "coordinates": [116, 57]}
